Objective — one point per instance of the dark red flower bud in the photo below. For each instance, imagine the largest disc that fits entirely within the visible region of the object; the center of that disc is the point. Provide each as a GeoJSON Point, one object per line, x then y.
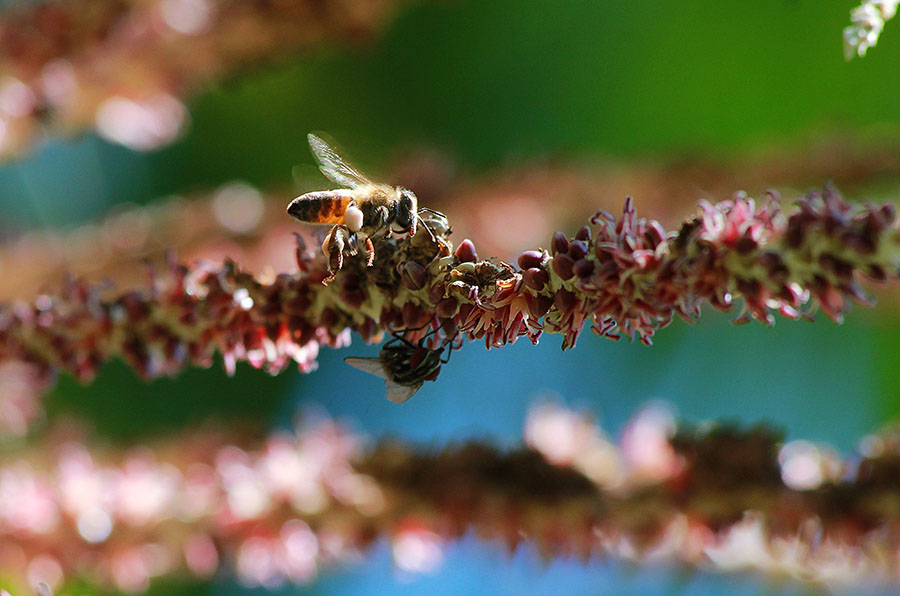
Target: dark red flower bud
{"type": "Point", "coordinates": [436, 293]}
{"type": "Point", "coordinates": [299, 328]}
{"type": "Point", "coordinates": [577, 249]}
{"type": "Point", "coordinates": [412, 315]}
{"type": "Point", "coordinates": [797, 225]}
{"type": "Point", "coordinates": [328, 319]}
{"type": "Point", "coordinates": [353, 297]}
{"type": "Point", "coordinates": [583, 268]}
{"type": "Point", "coordinates": [876, 272]}
{"type": "Point", "coordinates": [530, 258]}
{"type": "Point", "coordinates": [773, 264]}
{"type": "Point", "coordinates": [563, 265]}
{"type": "Point", "coordinates": [888, 214]}
{"type": "Point", "coordinates": [413, 275]}
{"type": "Point", "coordinates": [750, 288]}
{"type": "Point", "coordinates": [539, 305]}
{"type": "Point", "coordinates": [464, 311]}
{"type": "Point", "coordinates": [564, 300]}
{"type": "Point", "coordinates": [842, 269]}
{"type": "Point", "coordinates": [391, 317]}
{"type": "Point", "coordinates": [450, 326]}
{"type": "Point", "coordinates": [297, 304]}
{"type": "Point", "coordinates": [655, 234]}
{"type": "Point", "coordinates": [135, 352]}
{"type": "Point", "coordinates": [446, 308]}
{"type": "Point", "coordinates": [252, 340]}
{"type": "Point", "coordinates": [349, 281]}
{"type": "Point", "coordinates": [584, 234]}
{"type": "Point", "coordinates": [465, 252]}
{"type": "Point", "coordinates": [134, 306]}
{"type": "Point", "coordinates": [188, 317]}
{"type": "Point", "coordinates": [536, 278]}
{"type": "Point", "coordinates": [368, 330]}
{"type": "Point", "coordinates": [744, 245]}
{"type": "Point", "coordinates": [560, 243]}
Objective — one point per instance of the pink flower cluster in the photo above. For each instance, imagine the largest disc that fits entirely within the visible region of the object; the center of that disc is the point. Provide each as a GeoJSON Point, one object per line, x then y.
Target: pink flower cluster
{"type": "Point", "coordinates": [622, 276]}
{"type": "Point", "coordinates": [183, 508]}
{"type": "Point", "coordinates": [632, 277]}
{"type": "Point", "coordinates": [123, 66]}
{"type": "Point", "coordinates": [628, 276]}
{"type": "Point", "coordinates": [721, 497]}
{"type": "Point", "coordinates": [183, 316]}
{"type": "Point", "coordinates": [21, 387]}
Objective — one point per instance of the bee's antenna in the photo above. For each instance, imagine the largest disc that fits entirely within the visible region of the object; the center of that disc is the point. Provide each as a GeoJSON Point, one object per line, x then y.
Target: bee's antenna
{"type": "Point", "coordinates": [425, 225]}
{"type": "Point", "coordinates": [431, 211]}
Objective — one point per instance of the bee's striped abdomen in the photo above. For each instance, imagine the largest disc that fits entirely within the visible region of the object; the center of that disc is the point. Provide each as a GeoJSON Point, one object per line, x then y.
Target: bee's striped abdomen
{"type": "Point", "coordinates": [320, 207]}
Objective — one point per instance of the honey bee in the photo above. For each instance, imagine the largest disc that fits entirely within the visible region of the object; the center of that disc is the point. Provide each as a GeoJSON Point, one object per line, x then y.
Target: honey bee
{"type": "Point", "coordinates": [360, 211]}
{"type": "Point", "coordinates": [405, 366]}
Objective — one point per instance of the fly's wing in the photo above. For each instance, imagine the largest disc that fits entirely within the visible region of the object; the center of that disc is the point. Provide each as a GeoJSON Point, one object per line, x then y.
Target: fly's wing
{"type": "Point", "coordinates": [398, 393]}
{"type": "Point", "coordinates": [369, 365]}
{"type": "Point", "coordinates": [333, 165]}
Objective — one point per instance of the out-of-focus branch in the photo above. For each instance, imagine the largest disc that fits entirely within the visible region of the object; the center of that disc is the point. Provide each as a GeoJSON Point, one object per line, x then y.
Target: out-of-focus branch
{"type": "Point", "coordinates": [124, 66]}
{"type": "Point", "coordinates": [724, 499]}
{"type": "Point", "coordinates": [236, 221]}
{"type": "Point", "coordinates": [249, 226]}
{"type": "Point", "coordinates": [621, 276]}
{"type": "Point", "coordinates": [867, 21]}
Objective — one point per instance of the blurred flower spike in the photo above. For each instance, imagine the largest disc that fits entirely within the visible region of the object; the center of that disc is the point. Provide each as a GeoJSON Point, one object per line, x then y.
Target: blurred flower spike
{"type": "Point", "coordinates": [280, 510]}
{"type": "Point", "coordinates": [622, 276]}
{"type": "Point", "coordinates": [126, 68]}
{"type": "Point", "coordinates": [867, 23]}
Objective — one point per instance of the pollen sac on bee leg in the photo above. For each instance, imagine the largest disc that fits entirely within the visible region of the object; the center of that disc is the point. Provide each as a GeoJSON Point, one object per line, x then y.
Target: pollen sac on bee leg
{"type": "Point", "coordinates": [339, 241]}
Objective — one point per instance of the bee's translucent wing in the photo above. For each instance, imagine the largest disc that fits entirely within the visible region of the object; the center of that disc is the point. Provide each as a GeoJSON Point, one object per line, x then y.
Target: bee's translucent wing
{"type": "Point", "coordinates": [369, 365]}
{"type": "Point", "coordinates": [400, 393]}
{"type": "Point", "coordinates": [333, 165]}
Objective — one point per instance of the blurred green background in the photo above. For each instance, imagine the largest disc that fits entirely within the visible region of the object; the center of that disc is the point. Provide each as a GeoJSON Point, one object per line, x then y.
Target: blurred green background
{"type": "Point", "coordinates": [499, 82]}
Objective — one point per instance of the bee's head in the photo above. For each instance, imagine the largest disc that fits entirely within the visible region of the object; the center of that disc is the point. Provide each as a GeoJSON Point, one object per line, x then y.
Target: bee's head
{"type": "Point", "coordinates": [407, 206]}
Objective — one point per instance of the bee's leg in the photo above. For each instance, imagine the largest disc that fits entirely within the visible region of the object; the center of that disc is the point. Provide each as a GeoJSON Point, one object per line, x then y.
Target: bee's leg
{"type": "Point", "coordinates": [333, 271]}
{"type": "Point", "coordinates": [353, 243]}
{"type": "Point", "coordinates": [333, 249]}
{"type": "Point", "coordinates": [370, 252]}
{"type": "Point", "coordinates": [326, 248]}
